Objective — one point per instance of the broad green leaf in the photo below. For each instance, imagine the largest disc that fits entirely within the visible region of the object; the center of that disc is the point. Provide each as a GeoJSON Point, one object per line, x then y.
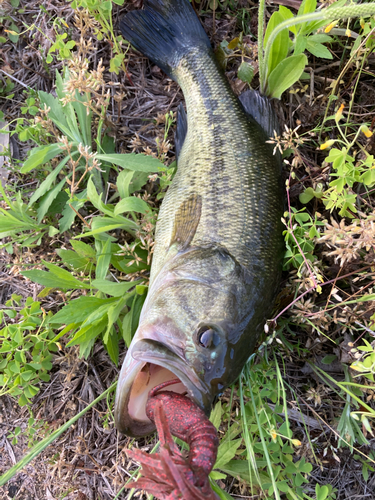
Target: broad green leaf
{"type": "Point", "coordinates": [216, 475]}
{"type": "Point", "coordinates": [88, 333]}
{"type": "Point", "coordinates": [104, 224]}
{"type": "Point", "coordinates": [132, 161]}
{"type": "Point", "coordinates": [226, 452]}
{"type": "Point", "coordinates": [285, 75]}
{"type": "Point", "coordinates": [71, 258]}
{"type": "Point", "coordinates": [84, 115]}
{"type": "Point", "coordinates": [113, 313]}
{"type": "Point", "coordinates": [131, 320]}
{"type": "Point", "coordinates": [78, 310]}
{"type": "Point", "coordinates": [300, 44]}
{"type": "Point", "coordinates": [57, 278]}
{"type": "Point", "coordinates": [245, 72]}
{"type": "Point", "coordinates": [129, 181]}
{"type": "Point", "coordinates": [216, 415]}
{"type": "Point", "coordinates": [318, 50]}
{"type": "Point", "coordinates": [280, 46]}
{"type": "Point", "coordinates": [9, 224]}
{"type": "Point", "coordinates": [307, 195]}
{"type": "Point", "coordinates": [131, 204]}
{"type": "Point", "coordinates": [41, 155]}
{"type": "Point", "coordinates": [111, 344]}
{"type": "Point", "coordinates": [123, 182]}
{"type": "Point", "coordinates": [47, 199]}
{"type": "Point", "coordinates": [306, 7]}
{"type": "Point", "coordinates": [240, 469]}
{"type": "Point", "coordinates": [320, 38]}
{"type": "Point", "coordinates": [327, 360]}
{"type": "Point", "coordinates": [48, 181]}
{"type": "Point", "coordinates": [68, 214]}
{"type": "Point", "coordinates": [103, 259]}
{"type": "Point", "coordinates": [96, 199]}
{"type": "Point", "coordinates": [84, 250]}
{"type": "Point", "coordinates": [112, 288]}
{"type": "Point", "coordinates": [287, 14]}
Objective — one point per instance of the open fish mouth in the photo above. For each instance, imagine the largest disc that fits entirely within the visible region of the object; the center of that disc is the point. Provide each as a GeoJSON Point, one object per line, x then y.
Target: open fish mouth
{"type": "Point", "coordinates": [148, 364]}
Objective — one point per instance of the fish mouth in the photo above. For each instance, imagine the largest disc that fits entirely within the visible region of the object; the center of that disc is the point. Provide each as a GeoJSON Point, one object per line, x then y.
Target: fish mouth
{"type": "Point", "coordinates": [149, 363]}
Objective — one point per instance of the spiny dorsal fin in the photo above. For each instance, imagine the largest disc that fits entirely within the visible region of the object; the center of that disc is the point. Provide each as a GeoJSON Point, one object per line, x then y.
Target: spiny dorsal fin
{"type": "Point", "coordinates": [186, 221]}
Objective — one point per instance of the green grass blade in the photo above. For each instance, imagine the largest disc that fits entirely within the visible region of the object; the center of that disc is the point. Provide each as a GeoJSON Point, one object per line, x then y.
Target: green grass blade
{"type": "Point", "coordinates": [39, 447]}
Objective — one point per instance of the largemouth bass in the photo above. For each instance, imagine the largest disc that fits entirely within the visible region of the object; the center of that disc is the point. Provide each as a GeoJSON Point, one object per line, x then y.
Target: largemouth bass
{"type": "Point", "coordinates": [218, 244]}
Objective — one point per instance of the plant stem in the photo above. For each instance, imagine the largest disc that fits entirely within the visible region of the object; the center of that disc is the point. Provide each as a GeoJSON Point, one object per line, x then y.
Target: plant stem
{"type": "Point", "coordinates": [261, 12]}
{"type": "Point", "coordinates": [328, 14]}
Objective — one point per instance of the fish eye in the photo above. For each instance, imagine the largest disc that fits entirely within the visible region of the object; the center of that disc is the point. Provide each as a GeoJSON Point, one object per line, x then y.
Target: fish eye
{"type": "Point", "coordinates": [207, 337]}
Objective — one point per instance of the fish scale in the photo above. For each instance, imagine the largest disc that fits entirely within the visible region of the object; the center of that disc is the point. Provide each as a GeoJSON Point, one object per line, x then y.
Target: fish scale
{"type": "Point", "coordinates": [221, 144]}
{"type": "Point", "coordinates": [218, 241]}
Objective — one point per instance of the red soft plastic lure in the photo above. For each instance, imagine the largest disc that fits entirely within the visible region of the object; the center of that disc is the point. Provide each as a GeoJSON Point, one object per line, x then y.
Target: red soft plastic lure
{"type": "Point", "coordinates": [169, 475]}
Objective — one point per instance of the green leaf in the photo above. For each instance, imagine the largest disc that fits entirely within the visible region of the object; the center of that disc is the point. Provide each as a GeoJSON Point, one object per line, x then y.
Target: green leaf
{"type": "Point", "coordinates": [132, 161]}
{"type": "Point", "coordinates": [216, 415]}
{"type": "Point", "coordinates": [245, 72]}
{"type": "Point", "coordinates": [104, 224]}
{"type": "Point", "coordinates": [57, 278]}
{"type": "Point", "coordinates": [318, 50]}
{"type": "Point", "coordinates": [112, 288]}
{"type": "Point", "coordinates": [285, 75]}
{"type": "Point", "coordinates": [84, 250]}
{"type": "Point", "coordinates": [287, 14]}
{"type": "Point", "coordinates": [227, 450]}
{"type": "Point", "coordinates": [280, 45]}
{"type": "Point", "coordinates": [47, 200]}
{"type": "Point", "coordinates": [41, 155]}
{"type": "Point", "coordinates": [131, 320]}
{"type": "Point", "coordinates": [103, 259]}
{"type": "Point", "coordinates": [84, 115]}
{"type": "Point", "coordinates": [321, 492]}
{"type": "Point", "coordinates": [111, 344]}
{"type": "Point", "coordinates": [22, 400]}
{"type": "Point", "coordinates": [48, 181]}
{"type": "Point", "coordinates": [68, 214]}
{"type": "Point", "coordinates": [72, 259]}
{"type": "Point", "coordinates": [96, 199]}
{"type": "Point", "coordinates": [131, 204]}
{"type": "Point", "coordinates": [78, 310]}
{"type": "Point", "coordinates": [14, 37]}
{"type": "Point", "coordinates": [113, 313]}
{"type": "Point", "coordinates": [240, 469]}
{"type": "Point", "coordinates": [129, 181]}
{"type": "Point", "coordinates": [307, 195]}
{"type": "Point", "coordinates": [327, 360]}
{"type": "Point", "coordinates": [223, 495]}
{"type": "Point", "coordinates": [87, 335]}
{"type": "Point", "coordinates": [216, 475]}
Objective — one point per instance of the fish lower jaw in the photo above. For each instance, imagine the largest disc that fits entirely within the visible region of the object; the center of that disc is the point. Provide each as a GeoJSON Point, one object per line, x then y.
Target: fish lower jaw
{"type": "Point", "coordinates": [150, 376]}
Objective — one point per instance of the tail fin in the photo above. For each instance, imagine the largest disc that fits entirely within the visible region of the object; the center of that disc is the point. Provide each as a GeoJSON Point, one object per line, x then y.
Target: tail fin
{"type": "Point", "coordinates": [164, 31]}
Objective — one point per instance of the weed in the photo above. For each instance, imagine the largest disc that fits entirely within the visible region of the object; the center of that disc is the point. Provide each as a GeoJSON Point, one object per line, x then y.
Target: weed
{"type": "Point", "coordinates": [278, 70]}
{"type": "Point", "coordinates": [28, 342]}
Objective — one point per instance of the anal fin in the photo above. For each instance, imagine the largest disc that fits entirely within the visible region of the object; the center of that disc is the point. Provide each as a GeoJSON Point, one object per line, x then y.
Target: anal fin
{"type": "Point", "coordinates": [186, 221]}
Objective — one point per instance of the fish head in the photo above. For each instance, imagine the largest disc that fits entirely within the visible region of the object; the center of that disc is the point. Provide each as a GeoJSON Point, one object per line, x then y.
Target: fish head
{"type": "Point", "coordinates": [190, 325]}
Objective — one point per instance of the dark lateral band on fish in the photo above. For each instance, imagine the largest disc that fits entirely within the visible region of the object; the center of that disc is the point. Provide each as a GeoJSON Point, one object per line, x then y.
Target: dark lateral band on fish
{"type": "Point", "coordinates": [218, 241]}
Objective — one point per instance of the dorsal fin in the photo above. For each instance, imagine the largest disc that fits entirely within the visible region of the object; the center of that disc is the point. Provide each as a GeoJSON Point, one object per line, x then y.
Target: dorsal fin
{"type": "Point", "coordinates": [260, 108]}
{"type": "Point", "coordinates": [186, 221]}
{"type": "Point", "coordinates": [181, 129]}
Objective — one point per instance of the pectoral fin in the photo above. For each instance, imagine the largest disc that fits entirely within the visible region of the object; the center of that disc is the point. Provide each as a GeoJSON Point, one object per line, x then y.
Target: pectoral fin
{"type": "Point", "coordinates": [186, 221]}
